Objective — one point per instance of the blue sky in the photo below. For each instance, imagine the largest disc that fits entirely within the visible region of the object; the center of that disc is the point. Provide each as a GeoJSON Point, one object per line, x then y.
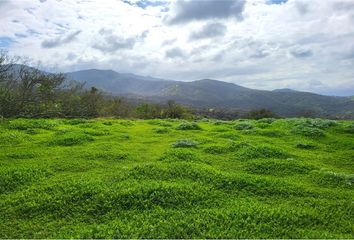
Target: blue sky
{"type": "Point", "coordinates": [5, 42]}
{"type": "Point", "coordinates": [306, 45]}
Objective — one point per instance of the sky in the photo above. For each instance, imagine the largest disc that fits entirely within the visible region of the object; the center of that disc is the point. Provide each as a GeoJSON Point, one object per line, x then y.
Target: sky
{"type": "Point", "coordinates": [306, 45]}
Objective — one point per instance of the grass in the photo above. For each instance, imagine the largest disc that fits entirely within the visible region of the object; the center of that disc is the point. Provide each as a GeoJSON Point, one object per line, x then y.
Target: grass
{"type": "Point", "coordinates": [111, 178]}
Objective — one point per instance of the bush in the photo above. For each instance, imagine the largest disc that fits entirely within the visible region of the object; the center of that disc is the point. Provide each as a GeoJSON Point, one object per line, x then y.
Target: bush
{"type": "Point", "coordinates": [70, 139]}
{"type": "Point", "coordinates": [115, 156]}
{"type": "Point", "coordinates": [179, 155]}
{"type": "Point", "coordinates": [266, 120]}
{"type": "Point", "coordinates": [188, 126]}
{"type": "Point", "coordinates": [185, 143]}
{"type": "Point", "coordinates": [92, 132]}
{"type": "Point", "coordinates": [243, 126]}
{"type": "Point", "coordinates": [76, 121]}
{"type": "Point", "coordinates": [308, 131]}
{"type": "Point", "coordinates": [13, 178]}
{"type": "Point", "coordinates": [278, 168]}
{"type": "Point", "coordinates": [161, 130]}
{"type": "Point", "coordinates": [349, 129]}
{"type": "Point", "coordinates": [254, 152]}
{"type": "Point", "coordinates": [26, 124]}
{"type": "Point", "coordinates": [261, 113]}
{"type": "Point", "coordinates": [270, 133]}
{"type": "Point", "coordinates": [22, 155]}
{"type": "Point", "coordinates": [216, 149]}
{"type": "Point", "coordinates": [13, 137]}
{"type": "Point", "coordinates": [305, 146]}
{"type": "Point", "coordinates": [314, 123]}
{"type": "Point", "coordinates": [331, 179]}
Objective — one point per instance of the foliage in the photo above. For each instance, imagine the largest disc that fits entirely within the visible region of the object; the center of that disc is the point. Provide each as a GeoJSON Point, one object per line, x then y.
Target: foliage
{"type": "Point", "coordinates": [261, 114]}
{"type": "Point", "coordinates": [184, 143]}
{"type": "Point", "coordinates": [188, 126]}
{"type": "Point", "coordinates": [244, 126]}
{"type": "Point", "coordinates": [308, 131]}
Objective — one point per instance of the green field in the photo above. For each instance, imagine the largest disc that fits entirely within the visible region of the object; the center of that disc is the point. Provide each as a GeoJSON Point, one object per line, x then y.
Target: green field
{"type": "Point", "coordinates": [106, 178]}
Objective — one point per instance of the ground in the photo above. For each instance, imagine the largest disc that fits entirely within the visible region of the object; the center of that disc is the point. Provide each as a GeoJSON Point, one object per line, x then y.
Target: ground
{"type": "Point", "coordinates": [107, 178]}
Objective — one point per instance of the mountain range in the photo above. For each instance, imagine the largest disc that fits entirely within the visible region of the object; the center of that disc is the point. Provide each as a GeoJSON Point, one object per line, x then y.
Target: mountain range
{"type": "Point", "coordinates": [208, 93]}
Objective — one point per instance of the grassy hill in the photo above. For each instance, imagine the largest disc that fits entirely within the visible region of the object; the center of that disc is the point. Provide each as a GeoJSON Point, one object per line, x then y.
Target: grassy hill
{"type": "Point", "coordinates": [105, 178]}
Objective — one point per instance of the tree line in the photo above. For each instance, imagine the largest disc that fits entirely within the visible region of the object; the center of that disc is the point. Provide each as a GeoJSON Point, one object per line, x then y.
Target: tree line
{"type": "Point", "coordinates": [29, 92]}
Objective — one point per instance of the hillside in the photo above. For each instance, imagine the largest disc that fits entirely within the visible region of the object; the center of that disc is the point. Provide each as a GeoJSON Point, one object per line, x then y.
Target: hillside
{"type": "Point", "coordinates": [217, 94]}
{"type": "Point", "coordinates": [105, 178]}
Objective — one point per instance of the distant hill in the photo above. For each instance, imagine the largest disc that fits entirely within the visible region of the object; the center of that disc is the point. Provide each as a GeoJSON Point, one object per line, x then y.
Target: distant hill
{"type": "Point", "coordinates": [208, 93]}
{"type": "Point", "coordinates": [284, 90]}
{"type": "Point", "coordinates": [120, 83]}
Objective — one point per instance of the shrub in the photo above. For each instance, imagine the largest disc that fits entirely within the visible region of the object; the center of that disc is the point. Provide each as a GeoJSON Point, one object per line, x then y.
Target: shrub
{"type": "Point", "coordinates": [107, 156]}
{"type": "Point", "coordinates": [321, 123]}
{"type": "Point", "coordinates": [216, 149]}
{"type": "Point", "coordinates": [92, 132]}
{"type": "Point", "coordinates": [235, 146]}
{"type": "Point", "coordinates": [13, 178]}
{"type": "Point", "coordinates": [331, 179]}
{"type": "Point", "coordinates": [161, 130]}
{"type": "Point", "coordinates": [185, 143]}
{"type": "Point", "coordinates": [13, 137]}
{"type": "Point", "coordinates": [70, 139]}
{"type": "Point", "coordinates": [21, 155]}
{"type": "Point", "coordinates": [254, 152]}
{"type": "Point", "coordinates": [243, 126]}
{"type": "Point", "coordinates": [188, 126]}
{"type": "Point", "coordinates": [314, 123]}
{"type": "Point", "coordinates": [76, 121]}
{"type": "Point", "coordinates": [270, 133]}
{"type": "Point", "coordinates": [32, 131]}
{"type": "Point", "coordinates": [277, 168]}
{"type": "Point", "coordinates": [349, 129]}
{"type": "Point", "coordinates": [26, 124]}
{"type": "Point", "coordinates": [266, 120]}
{"type": "Point", "coordinates": [229, 135]}
{"type": "Point", "coordinates": [159, 123]}
{"type": "Point", "coordinates": [305, 146]}
{"type": "Point", "coordinates": [261, 113]}
{"type": "Point", "coordinates": [179, 155]}
{"type": "Point", "coordinates": [308, 131]}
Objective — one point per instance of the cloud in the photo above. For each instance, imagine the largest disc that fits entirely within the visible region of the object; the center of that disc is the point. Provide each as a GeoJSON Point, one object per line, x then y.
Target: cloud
{"type": "Point", "coordinates": [276, 1]}
{"type": "Point", "coordinates": [301, 52]}
{"type": "Point", "coordinates": [302, 7]}
{"type": "Point", "coordinates": [210, 30]}
{"type": "Point", "coordinates": [111, 42]}
{"type": "Point", "coordinates": [189, 10]}
{"type": "Point", "coordinates": [260, 53]}
{"type": "Point", "coordinates": [283, 44]}
{"type": "Point", "coordinates": [175, 53]}
{"type": "Point", "coordinates": [58, 41]}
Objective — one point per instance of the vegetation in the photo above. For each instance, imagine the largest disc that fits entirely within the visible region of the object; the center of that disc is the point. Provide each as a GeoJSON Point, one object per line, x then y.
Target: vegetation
{"type": "Point", "coordinates": [110, 178]}
{"type": "Point", "coordinates": [31, 93]}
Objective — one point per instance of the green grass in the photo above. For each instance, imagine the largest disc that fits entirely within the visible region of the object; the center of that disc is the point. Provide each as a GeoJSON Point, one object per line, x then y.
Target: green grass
{"type": "Point", "coordinates": [107, 178]}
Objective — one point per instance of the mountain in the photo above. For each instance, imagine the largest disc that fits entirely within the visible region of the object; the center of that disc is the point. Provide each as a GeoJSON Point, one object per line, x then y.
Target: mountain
{"type": "Point", "coordinates": [208, 93]}
{"type": "Point", "coordinates": [284, 90]}
{"type": "Point", "coordinates": [120, 83]}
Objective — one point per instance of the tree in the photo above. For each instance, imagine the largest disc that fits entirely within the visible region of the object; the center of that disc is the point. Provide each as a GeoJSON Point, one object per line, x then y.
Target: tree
{"type": "Point", "coordinates": [174, 110]}
{"type": "Point", "coordinates": [91, 102]}
{"type": "Point", "coordinates": [261, 113]}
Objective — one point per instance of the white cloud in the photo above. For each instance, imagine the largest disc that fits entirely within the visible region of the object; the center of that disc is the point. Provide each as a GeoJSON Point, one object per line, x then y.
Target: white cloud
{"type": "Point", "coordinates": [294, 44]}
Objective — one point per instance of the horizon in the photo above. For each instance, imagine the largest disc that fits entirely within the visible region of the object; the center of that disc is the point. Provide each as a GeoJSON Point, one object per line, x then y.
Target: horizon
{"type": "Point", "coordinates": [193, 80]}
{"type": "Point", "coordinates": [259, 44]}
